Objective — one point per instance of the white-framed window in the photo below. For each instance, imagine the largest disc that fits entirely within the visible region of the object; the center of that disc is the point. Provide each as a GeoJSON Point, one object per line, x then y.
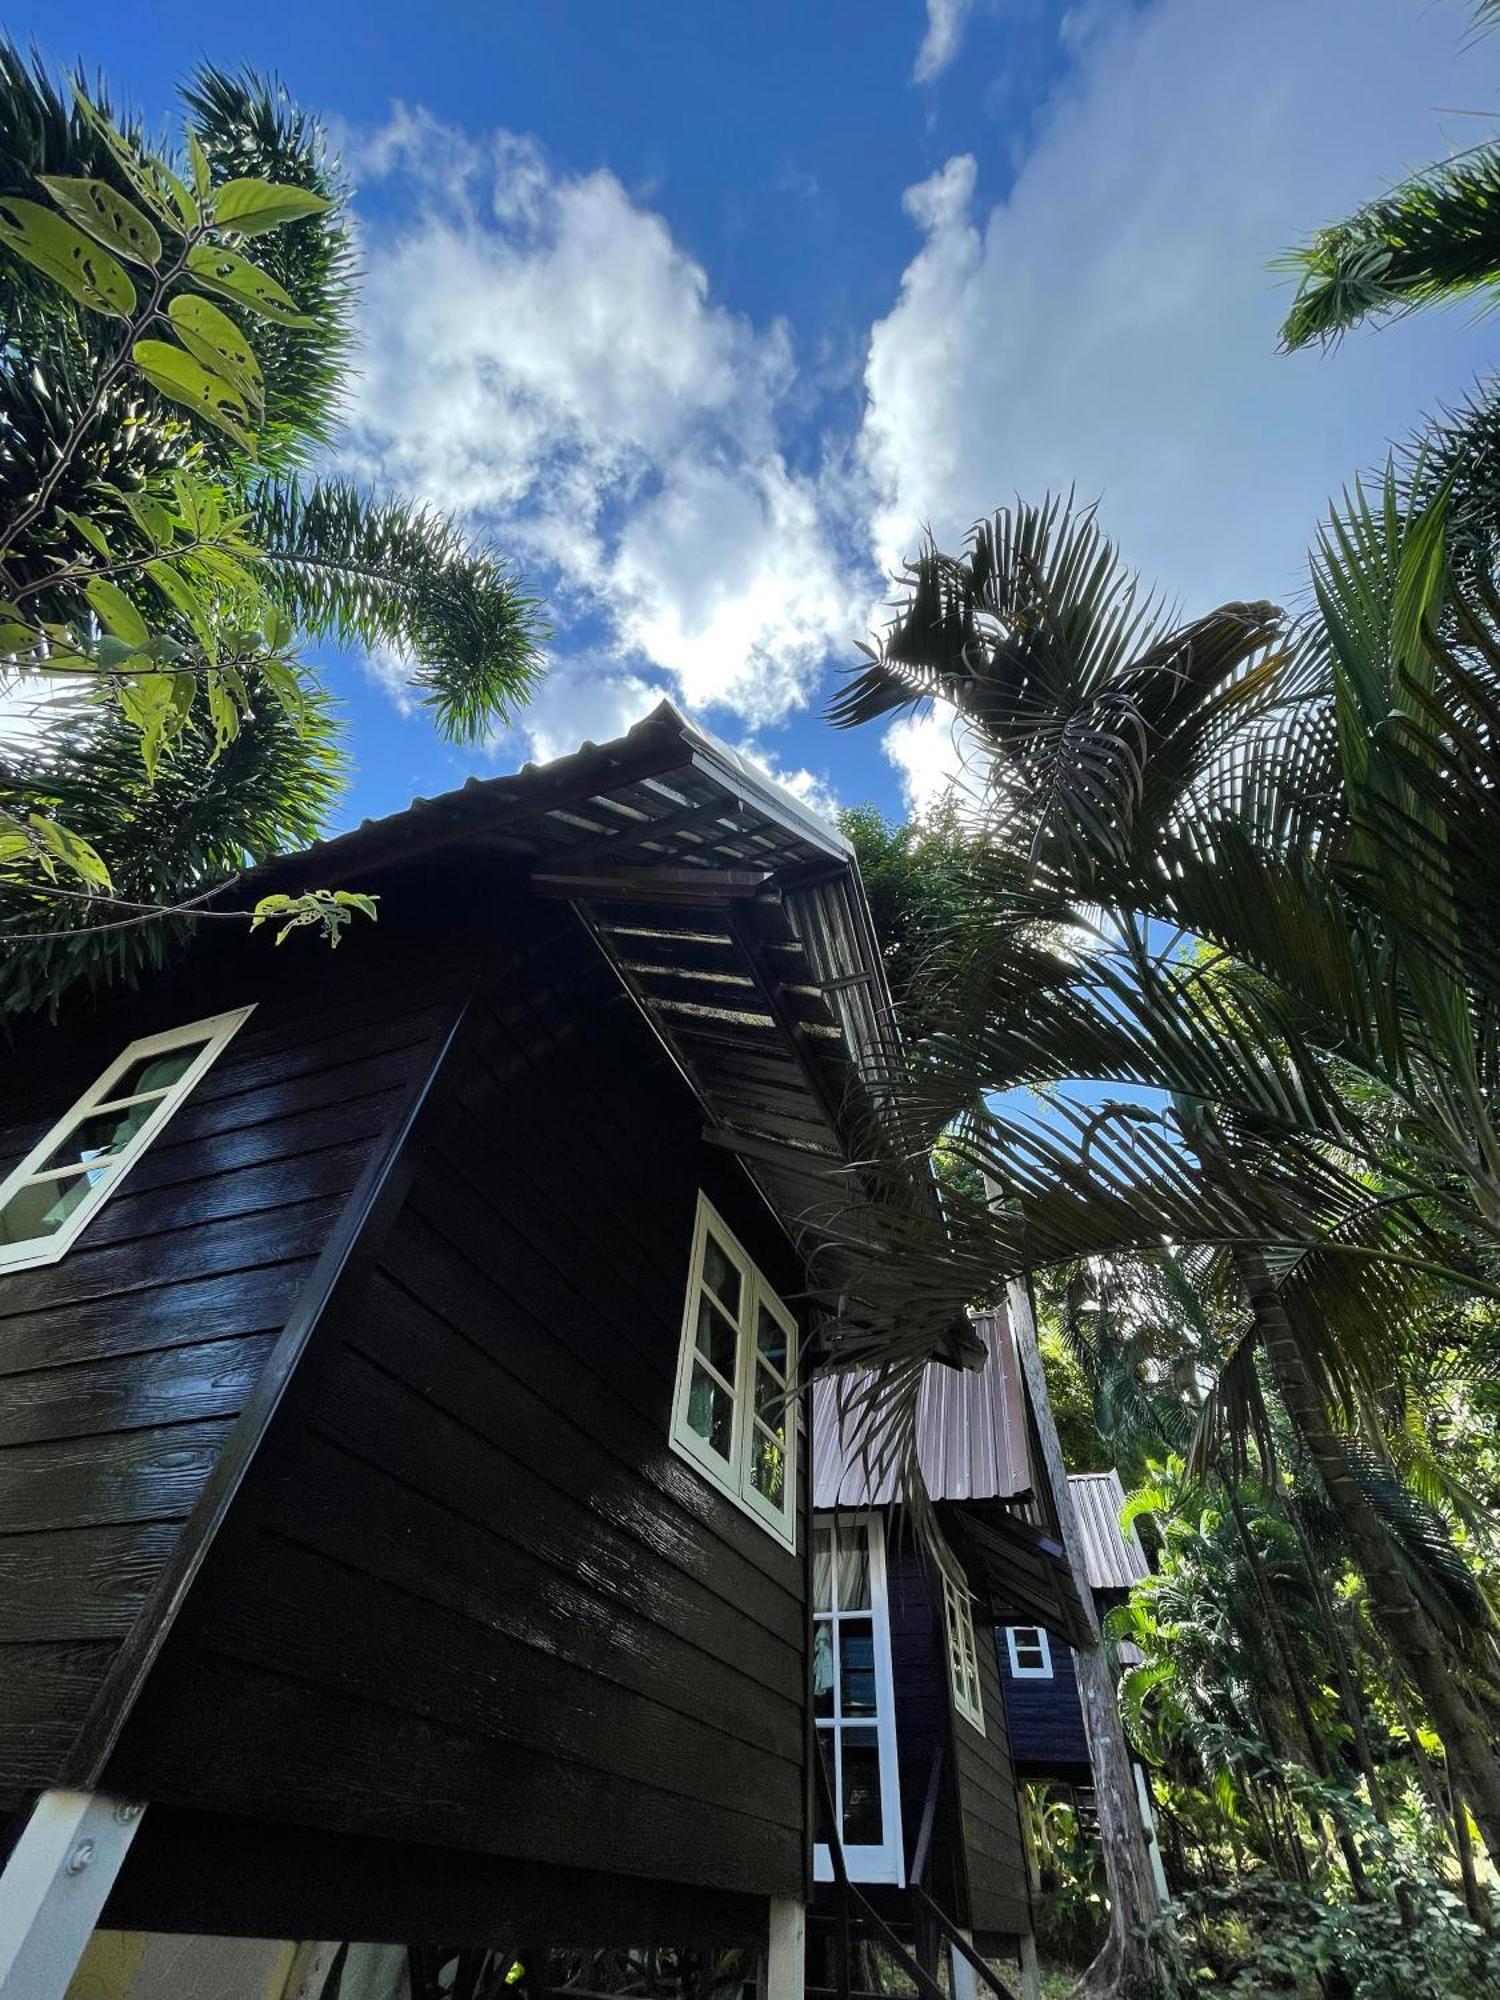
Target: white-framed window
{"type": "Point", "coordinates": [963, 1654]}
{"type": "Point", "coordinates": [73, 1169]}
{"type": "Point", "coordinates": [733, 1416]}
{"type": "Point", "coordinates": [854, 1703]}
{"type": "Point", "coordinates": [1030, 1652]}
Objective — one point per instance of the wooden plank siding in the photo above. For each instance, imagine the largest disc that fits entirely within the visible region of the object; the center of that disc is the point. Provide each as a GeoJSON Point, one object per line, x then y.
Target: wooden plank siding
{"type": "Point", "coordinates": [124, 1365]}
{"type": "Point", "coordinates": [977, 1864]}
{"type": "Point", "coordinates": [467, 1595]}
{"type": "Point", "coordinates": [1046, 1717]}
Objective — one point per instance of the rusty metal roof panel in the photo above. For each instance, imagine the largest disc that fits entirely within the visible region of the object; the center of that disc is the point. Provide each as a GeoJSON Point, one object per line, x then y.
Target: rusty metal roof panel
{"type": "Point", "coordinates": [1113, 1557]}
{"type": "Point", "coordinates": [971, 1433]}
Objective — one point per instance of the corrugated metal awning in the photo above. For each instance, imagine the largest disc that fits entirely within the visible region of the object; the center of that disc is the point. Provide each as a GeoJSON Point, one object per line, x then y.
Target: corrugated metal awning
{"type": "Point", "coordinates": [1113, 1557]}
{"type": "Point", "coordinates": [971, 1433]}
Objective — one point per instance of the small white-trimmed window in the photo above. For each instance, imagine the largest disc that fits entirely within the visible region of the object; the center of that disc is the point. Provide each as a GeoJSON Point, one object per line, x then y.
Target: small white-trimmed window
{"type": "Point", "coordinates": [963, 1655]}
{"type": "Point", "coordinates": [72, 1171]}
{"type": "Point", "coordinates": [732, 1415]}
{"type": "Point", "coordinates": [1030, 1652]}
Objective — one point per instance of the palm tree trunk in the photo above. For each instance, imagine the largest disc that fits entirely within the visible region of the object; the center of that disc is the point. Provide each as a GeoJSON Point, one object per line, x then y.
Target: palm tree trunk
{"type": "Point", "coordinates": [1125, 1964]}
{"type": "Point", "coordinates": [1411, 1635]}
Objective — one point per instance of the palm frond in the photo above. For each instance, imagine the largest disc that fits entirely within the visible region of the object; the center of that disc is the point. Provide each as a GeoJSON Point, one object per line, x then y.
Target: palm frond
{"type": "Point", "coordinates": [388, 573]}
{"type": "Point", "coordinates": [1434, 236]}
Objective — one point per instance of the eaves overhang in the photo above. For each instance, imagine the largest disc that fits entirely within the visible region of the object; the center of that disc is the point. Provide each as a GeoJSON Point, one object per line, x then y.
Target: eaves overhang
{"type": "Point", "coordinates": [735, 918]}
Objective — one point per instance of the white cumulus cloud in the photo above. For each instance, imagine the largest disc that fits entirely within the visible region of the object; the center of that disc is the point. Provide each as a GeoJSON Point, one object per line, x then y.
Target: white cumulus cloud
{"type": "Point", "coordinates": [1111, 323]}
{"type": "Point", "coordinates": [541, 356]}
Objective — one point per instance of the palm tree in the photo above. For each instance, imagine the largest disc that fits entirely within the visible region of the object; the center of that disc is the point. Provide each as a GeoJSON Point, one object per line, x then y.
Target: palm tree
{"type": "Point", "coordinates": [1289, 801]}
{"type": "Point", "coordinates": [84, 437]}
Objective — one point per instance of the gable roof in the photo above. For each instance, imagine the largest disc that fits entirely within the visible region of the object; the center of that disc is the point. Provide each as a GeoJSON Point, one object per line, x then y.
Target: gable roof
{"type": "Point", "coordinates": [731, 913]}
{"type": "Point", "coordinates": [1113, 1557]}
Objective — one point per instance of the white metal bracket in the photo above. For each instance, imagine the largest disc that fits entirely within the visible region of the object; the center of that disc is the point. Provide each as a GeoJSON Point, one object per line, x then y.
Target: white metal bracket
{"type": "Point", "coordinates": [55, 1884]}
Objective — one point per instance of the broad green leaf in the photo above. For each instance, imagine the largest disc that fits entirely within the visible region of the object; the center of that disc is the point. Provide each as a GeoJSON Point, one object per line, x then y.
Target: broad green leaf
{"type": "Point", "coordinates": [286, 684]}
{"type": "Point", "coordinates": [115, 653]}
{"type": "Point", "coordinates": [85, 270]}
{"type": "Point", "coordinates": [177, 375]}
{"type": "Point", "coordinates": [116, 612]}
{"type": "Point", "coordinates": [278, 631]}
{"type": "Point", "coordinates": [147, 702]}
{"type": "Point", "coordinates": [91, 532]}
{"type": "Point", "coordinates": [222, 713]}
{"type": "Point", "coordinates": [75, 853]}
{"type": "Point", "coordinates": [156, 184]}
{"type": "Point", "coordinates": [16, 638]}
{"type": "Point", "coordinates": [227, 272]}
{"type": "Point", "coordinates": [253, 207]}
{"type": "Point", "coordinates": [151, 518]}
{"type": "Point", "coordinates": [212, 337]}
{"type": "Point", "coordinates": [202, 177]}
{"type": "Point", "coordinates": [351, 899]}
{"type": "Point", "coordinates": [108, 217]}
{"type": "Point", "coordinates": [182, 597]}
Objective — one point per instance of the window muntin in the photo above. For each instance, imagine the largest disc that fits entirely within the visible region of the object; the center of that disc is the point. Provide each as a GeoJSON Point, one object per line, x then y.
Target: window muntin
{"type": "Point", "coordinates": [963, 1654]}
{"type": "Point", "coordinates": [734, 1414]}
{"type": "Point", "coordinates": [70, 1173]}
{"type": "Point", "coordinates": [1030, 1652]}
{"type": "Point", "coordinates": [853, 1698]}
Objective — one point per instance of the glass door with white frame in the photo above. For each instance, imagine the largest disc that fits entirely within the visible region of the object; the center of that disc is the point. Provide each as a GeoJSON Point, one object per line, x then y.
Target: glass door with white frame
{"type": "Point", "coordinates": [853, 1698]}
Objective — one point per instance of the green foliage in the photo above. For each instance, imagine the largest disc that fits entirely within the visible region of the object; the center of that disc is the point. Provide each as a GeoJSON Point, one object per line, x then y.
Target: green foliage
{"type": "Point", "coordinates": [917, 881]}
{"type": "Point", "coordinates": [137, 468]}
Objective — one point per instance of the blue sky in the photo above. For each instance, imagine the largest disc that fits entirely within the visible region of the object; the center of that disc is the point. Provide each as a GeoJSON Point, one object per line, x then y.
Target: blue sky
{"type": "Point", "coordinates": [701, 312]}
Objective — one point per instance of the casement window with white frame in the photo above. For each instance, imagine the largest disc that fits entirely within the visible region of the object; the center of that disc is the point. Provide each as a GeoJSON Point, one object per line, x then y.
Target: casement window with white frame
{"type": "Point", "coordinates": [1030, 1652]}
{"type": "Point", "coordinates": [71, 1172]}
{"type": "Point", "coordinates": [963, 1654]}
{"type": "Point", "coordinates": [733, 1414]}
{"type": "Point", "coordinates": [854, 1702]}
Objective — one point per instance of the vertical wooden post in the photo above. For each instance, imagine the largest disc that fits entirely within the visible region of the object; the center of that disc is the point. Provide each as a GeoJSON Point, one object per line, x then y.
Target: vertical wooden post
{"type": "Point", "coordinates": [54, 1885]}
{"type": "Point", "coordinates": [1031, 1969]}
{"type": "Point", "coordinates": [786, 1949]}
{"type": "Point", "coordinates": [963, 1981]}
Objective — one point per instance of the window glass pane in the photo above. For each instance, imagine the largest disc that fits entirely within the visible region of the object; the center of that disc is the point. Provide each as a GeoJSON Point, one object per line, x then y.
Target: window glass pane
{"type": "Point", "coordinates": [710, 1410]}
{"type": "Point", "coordinates": [152, 1072]}
{"type": "Point", "coordinates": [770, 1336]}
{"type": "Point", "coordinates": [768, 1466]}
{"type": "Point", "coordinates": [717, 1339]}
{"type": "Point", "coordinates": [863, 1823]}
{"type": "Point", "coordinates": [856, 1666]}
{"type": "Point", "coordinates": [101, 1132]}
{"type": "Point", "coordinates": [720, 1275]}
{"type": "Point", "coordinates": [825, 1752]}
{"type": "Point", "coordinates": [42, 1207]}
{"type": "Point", "coordinates": [854, 1569]}
{"type": "Point", "coordinates": [822, 1569]}
{"type": "Point", "coordinates": [823, 1668]}
{"type": "Point", "coordinates": [770, 1395]}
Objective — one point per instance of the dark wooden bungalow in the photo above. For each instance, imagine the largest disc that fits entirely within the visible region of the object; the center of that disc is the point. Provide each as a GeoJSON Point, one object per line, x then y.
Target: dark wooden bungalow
{"type": "Point", "coordinates": [908, 1707]}
{"type": "Point", "coordinates": [1037, 1668]}
{"type": "Point", "coordinates": [398, 1499]}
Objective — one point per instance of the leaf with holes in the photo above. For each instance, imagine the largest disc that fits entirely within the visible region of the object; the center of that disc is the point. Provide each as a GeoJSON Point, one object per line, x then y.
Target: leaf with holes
{"type": "Point", "coordinates": [235, 277]}
{"type": "Point", "coordinates": [70, 849]}
{"type": "Point", "coordinates": [156, 184]}
{"type": "Point", "coordinates": [85, 270]}
{"type": "Point", "coordinates": [108, 217]}
{"type": "Point", "coordinates": [254, 207]}
{"type": "Point", "coordinates": [212, 337]}
{"type": "Point", "coordinates": [175, 373]}
{"type": "Point", "coordinates": [116, 612]}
